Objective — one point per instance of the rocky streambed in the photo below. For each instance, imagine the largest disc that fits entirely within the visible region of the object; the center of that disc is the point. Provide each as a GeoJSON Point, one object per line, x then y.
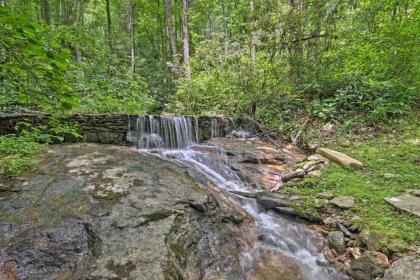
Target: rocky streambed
{"type": "Point", "coordinates": [203, 212]}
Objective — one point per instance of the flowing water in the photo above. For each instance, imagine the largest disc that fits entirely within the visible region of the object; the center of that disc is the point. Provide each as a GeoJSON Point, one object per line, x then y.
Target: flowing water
{"type": "Point", "coordinates": [278, 235]}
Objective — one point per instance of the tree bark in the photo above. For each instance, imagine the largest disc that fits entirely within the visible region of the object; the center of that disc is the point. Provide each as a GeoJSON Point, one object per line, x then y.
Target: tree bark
{"type": "Point", "coordinates": [171, 31]}
{"type": "Point", "coordinates": [109, 25]}
{"type": "Point", "coordinates": [45, 11]}
{"type": "Point", "coordinates": [129, 10]}
{"type": "Point", "coordinates": [185, 38]}
{"type": "Point", "coordinates": [109, 34]}
{"type": "Point", "coordinates": [253, 44]}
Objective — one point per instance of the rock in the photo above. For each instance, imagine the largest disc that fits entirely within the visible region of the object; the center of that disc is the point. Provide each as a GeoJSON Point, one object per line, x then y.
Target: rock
{"type": "Point", "coordinates": [406, 203]}
{"type": "Point", "coordinates": [268, 200]}
{"type": "Point", "coordinates": [320, 203]}
{"type": "Point", "coordinates": [344, 202]}
{"type": "Point", "coordinates": [325, 195]}
{"type": "Point", "coordinates": [315, 173]}
{"type": "Point", "coordinates": [354, 252]}
{"type": "Point", "coordinates": [339, 158]}
{"type": "Point", "coordinates": [298, 173]}
{"type": "Point", "coordinates": [336, 241]}
{"type": "Point", "coordinates": [274, 267]}
{"type": "Point", "coordinates": [415, 192]}
{"type": "Point", "coordinates": [107, 212]}
{"type": "Point", "coordinates": [407, 268]}
{"type": "Point", "coordinates": [317, 158]}
{"type": "Point", "coordinates": [369, 266]}
{"type": "Point", "coordinates": [373, 240]}
{"type": "Point", "coordinates": [389, 175]}
{"type": "Point", "coordinates": [396, 246]}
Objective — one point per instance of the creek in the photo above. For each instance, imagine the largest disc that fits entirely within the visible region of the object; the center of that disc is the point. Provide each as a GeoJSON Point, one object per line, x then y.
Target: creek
{"type": "Point", "coordinates": [278, 241]}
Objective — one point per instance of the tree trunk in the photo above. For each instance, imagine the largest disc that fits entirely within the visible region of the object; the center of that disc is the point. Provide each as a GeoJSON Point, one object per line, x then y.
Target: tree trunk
{"type": "Point", "coordinates": [185, 39]}
{"type": "Point", "coordinates": [253, 31]}
{"type": "Point", "coordinates": [129, 10]}
{"type": "Point", "coordinates": [65, 12]}
{"type": "Point", "coordinates": [45, 11]}
{"type": "Point", "coordinates": [171, 31]}
{"type": "Point", "coordinates": [109, 26]}
{"type": "Point", "coordinates": [109, 35]}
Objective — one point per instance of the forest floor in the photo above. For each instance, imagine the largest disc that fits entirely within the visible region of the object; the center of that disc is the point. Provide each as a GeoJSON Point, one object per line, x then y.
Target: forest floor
{"type": "Point", "coordinates": [391, 167]}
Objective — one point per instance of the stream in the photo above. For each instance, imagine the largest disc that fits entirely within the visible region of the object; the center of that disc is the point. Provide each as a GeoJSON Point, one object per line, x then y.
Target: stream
{"type": "Point", "coordinates": [279, 240]}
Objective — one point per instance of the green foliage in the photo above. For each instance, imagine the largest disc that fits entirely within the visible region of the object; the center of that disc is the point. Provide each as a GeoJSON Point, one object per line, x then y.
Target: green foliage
{"type": "Point", "coordinates": [33, 65]}
{"type": "Point", "coordinates": [394, 153]}
{"type": "Point", "coordinates": [17, 155]}
{"type": "Point", "coordinates": [113, 94]}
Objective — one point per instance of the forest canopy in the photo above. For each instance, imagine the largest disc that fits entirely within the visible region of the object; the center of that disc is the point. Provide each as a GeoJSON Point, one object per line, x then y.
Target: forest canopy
{"type": "Point", "coordinates": [277, 61]}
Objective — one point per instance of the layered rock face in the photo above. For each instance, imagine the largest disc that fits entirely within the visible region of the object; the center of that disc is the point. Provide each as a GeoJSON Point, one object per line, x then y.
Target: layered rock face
{"type": "Point", "coordinates": [107, 212]}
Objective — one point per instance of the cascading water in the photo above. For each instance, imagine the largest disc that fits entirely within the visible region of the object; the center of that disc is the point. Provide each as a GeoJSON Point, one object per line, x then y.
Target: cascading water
{"type": "Point", "coordinates": [165, 132]}
{"type": "Point", "coordinates": [279, 235]}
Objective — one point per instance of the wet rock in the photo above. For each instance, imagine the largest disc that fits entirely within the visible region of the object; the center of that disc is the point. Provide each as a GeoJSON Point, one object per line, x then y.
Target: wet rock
{"type": "Point", "coordinates": [343, 202]}
{"type": "Point", "coordinates": [407, 268]}
{"type": "Point", "coordinates": [325, 195]}
{"type": "Point", "coordinates": [406, 203]}
{"type": "Point", "coordinates": [336, 241]}
{"type": "Point", "coordinates": [274, 267]}
{"type": "Point", "coordinates": [107, 212]}
{"type": "Point", "coordinates": [268, 200]}
{"type": "Point", "coordinates": [369, 266]}
{"type": "Point", "coordinates": [339, 158]}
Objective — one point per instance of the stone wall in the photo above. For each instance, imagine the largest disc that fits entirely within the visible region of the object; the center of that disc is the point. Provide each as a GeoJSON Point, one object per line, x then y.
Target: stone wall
{"type": "Point", "coordinates": [105, 128]}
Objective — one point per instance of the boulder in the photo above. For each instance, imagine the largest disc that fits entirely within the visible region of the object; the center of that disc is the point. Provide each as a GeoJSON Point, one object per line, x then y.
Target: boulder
{"type": "Point", "coordinates": [368, 266]}
{"type": "Point", "coordinates": [344, 202]}
{"type": "Point", "coordinates": [407, 268]}
{"type": "Point", "coordinates": [339, 158]}
{"type": "Point", "coordinates": [108, 212]}
{"type": "Point", "coordinates": [336, 241]}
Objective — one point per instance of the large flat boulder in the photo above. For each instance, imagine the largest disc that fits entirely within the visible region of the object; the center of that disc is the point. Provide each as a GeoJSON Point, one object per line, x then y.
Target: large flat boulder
{"type": "Point", "coordinates": [406, 203]}
{"type": "Point", "coordinates": [107, 212]}
{"type": "Point", "coordinates": [339, 158]}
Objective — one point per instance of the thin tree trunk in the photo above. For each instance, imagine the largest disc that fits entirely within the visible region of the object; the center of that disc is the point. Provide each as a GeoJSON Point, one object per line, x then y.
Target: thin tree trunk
{"type": "Point", "coordinates": [109, 25]}
{"type": "Point", "coordinates": [109, 34]}
{"type": "Point", "coordinates": [253, 31]}
{"type": "Point", "coordinates": [45, 11]}
{"type": "Point", "coordinates": [65, 12]}
{"type": "Point", "coordinates": [171, 31]}
{"type": "Point", "coordinates": [186, 40]}
{"type": "Point", "coordinates": [129, 9]}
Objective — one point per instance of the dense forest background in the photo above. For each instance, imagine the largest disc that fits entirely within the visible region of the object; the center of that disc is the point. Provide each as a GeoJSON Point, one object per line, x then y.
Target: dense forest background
{"type": "Point", "coordinates": [278, 61]}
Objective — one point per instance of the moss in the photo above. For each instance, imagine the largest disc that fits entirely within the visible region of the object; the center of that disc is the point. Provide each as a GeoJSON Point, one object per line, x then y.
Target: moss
{"type": "Point", "coordinates": [395, 153]}
{"type": "Point", "coordinates": [177, 250]}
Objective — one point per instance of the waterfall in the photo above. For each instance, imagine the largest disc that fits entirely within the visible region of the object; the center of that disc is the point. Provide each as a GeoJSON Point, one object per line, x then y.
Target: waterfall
{"type": "Point", "coordinates": [175, 132]}
{"type": "Point", "coordinates": [215, 129]}
{"type": "Point", "coordinates": [165, 132]}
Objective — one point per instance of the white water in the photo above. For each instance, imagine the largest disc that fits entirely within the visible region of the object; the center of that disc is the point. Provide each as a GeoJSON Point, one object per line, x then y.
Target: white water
{"type": "Point", "coordinates": [279, 235]}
